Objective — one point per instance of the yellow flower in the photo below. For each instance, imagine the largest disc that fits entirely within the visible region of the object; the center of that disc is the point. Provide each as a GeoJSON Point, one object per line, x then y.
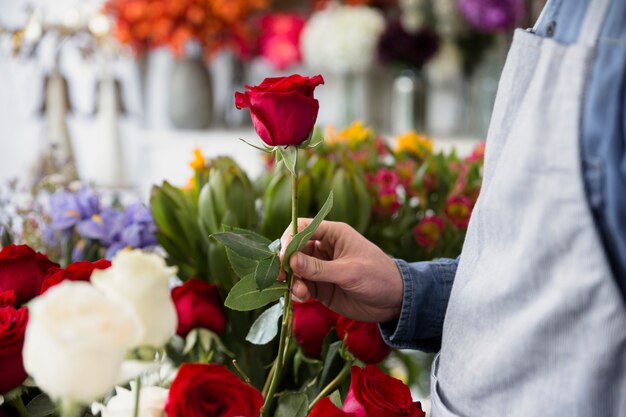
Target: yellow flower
{"type": "Point", "coordinates": [191, 183]}
{"type": "Point", "coordinates": [352, 135]}
{"type": "Point", "coordinates": [414, 143]}
{"type": "Point", "coordinates": [198, 162]}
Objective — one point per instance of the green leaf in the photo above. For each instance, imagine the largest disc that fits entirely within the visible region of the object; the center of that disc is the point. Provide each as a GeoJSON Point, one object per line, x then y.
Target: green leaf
{"type": "Point", "coordinates": [292, 405]}
{"type": "Point", "coordinates": [265, 328]}
{"type": "Point", "coordinates": [290, 158]}
{"type": "Point", "coordinates": [332, 364]}
{"type": "Point", "coordinates": [299, 240]}
{"type": "Point", "coordinates": [243, 245]}
{"type": "Point", "coordinates": [267, 271]}
{"type": "Point", "coordinates": [245, 295]}
{"type": "Point", "coordinates": [242, 266]}
{"type": "Point", "coordinates": [249, 234]}
{"type": "Point", "coordinates": [335, 398]}
{"type": "Point", "coordinates": [41, 406]}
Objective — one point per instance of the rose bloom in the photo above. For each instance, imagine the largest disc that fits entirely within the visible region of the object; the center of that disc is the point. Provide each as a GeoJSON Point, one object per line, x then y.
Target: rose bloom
{"type": "Point", "coordinates": [198, 305]}
{"type": "Point", "coordinates": [76, 340]}
{"type": "Point", "coordinates": [279, 41]}
{"type": "Point", "coordinates": [363, 340]}
{"type": "Point", "coordinates": [459, 209]}
{"type": "Point", "coordinates": [23, 271]}
{"type": "Point", "coordinates": [151, 403]}
{"type": "Point", "coordinates": [373, 392]}
{"type": "Point", "coordinates": [141, 280]}
{"type": "Point", "coordinates": [311, 323]}
{"type": "Point", "coordinates": [12, 327]}
{"type": "Point", "coordinates": [201, 390]}
{"type": "Point", "coordinates": [283, 109]}
{"type": "Point", "coordinates": [8, 298]}
{"type": "Point", "coordinates": [428, 231]}
{"type": "Point", "coordinates": [78, 271]}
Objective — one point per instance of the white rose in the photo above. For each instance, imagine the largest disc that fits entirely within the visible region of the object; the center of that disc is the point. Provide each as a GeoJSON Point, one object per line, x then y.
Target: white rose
{"type": "Point", "coordinates": [342, 39]}
{"type": "Point", "coordinates": [76, 340]}
{"type": "Point", "coordinates": [141, 280]}
{"type": "Point", "coordinates": [151, 403]}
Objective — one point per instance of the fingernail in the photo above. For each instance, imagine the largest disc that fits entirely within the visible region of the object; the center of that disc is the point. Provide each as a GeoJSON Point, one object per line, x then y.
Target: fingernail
{"type": "Point", "coordinates": [300, 262]}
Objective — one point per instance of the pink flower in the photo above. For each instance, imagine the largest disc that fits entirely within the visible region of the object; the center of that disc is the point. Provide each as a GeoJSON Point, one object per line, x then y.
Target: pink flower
{"type": "Point", "coordinates": [279, 41]}
{"type": "Point", "coordinates": [459, 209]}
{"type": "Point", "coordinates": [428, 231]}
{"type": "Point", "coordinates": [387, 179]}
{"type": "Point", "coordinates": [478, 154]}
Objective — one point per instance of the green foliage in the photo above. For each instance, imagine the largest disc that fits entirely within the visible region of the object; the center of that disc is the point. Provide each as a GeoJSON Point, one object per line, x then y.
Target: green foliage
{"type": "Point", "coordinates": [245, 295]}
{"type": "Point", "coordinates": [292, 404]}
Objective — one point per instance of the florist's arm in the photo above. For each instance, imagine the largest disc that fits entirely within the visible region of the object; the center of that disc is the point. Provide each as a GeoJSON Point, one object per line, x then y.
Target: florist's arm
{"type": "Point", "coordinates": [355, 278]}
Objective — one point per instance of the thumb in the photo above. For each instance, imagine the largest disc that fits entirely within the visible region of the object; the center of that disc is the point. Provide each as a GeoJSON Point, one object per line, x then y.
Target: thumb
{"type": "Point", "coordinates": [314, 269]}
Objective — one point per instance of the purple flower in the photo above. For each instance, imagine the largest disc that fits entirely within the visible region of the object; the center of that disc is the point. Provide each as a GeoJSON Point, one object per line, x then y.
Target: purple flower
{"type": "Point", "coordinates": [105, 227]}
{"type": "Point", "coordinates": [399, 47]}
{"type": "Point", "coordinates": [139, 230]}
{"type": "Point", "coordinates": [491, 15]}
{"type": "Point", "coordinates": [68, 209]}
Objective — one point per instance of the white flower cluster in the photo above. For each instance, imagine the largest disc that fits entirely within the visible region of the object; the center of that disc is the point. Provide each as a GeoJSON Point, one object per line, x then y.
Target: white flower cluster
{"type": "Point", "coordinates": [79, 333]}
{"type": "Point", "coordinates": [342, 39]}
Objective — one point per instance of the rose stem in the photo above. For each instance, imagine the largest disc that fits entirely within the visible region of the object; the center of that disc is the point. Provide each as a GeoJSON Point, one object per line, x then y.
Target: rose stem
{"type": "Point", "coordinates": [285, 329]}
{"type": "Point", "coordinates": [18, 404]}
{"type": "Point", "coordinates": [137, 395]}
{"type": "Point", "coordinates": [332, 384]}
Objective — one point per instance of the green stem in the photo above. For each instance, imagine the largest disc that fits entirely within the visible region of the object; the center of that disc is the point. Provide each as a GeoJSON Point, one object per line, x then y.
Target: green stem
{"type": "Point", "coordinates": [19, 406]}
{"type": "Point", "coordinates": [328, 389]}
{"type": "Point", "coordinates": [137, 396]}
{"type": "Point", "coordinates": [285, 329]}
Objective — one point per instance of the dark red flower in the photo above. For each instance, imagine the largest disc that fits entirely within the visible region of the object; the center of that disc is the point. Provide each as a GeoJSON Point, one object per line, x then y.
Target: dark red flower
{"type": "Point", "coordinates": [326, 408]}
{"type": "Point", "coordinates": [311, 323]}
{"type": "Point", "coordinates": [373, 392]}
{"type": "Point", "coordinates": [363, 340]}
{"type": "Point", "coordinates": [7, 298]}
{"type": "Point", "coordinates": [23, 271]}
{"type": "Point", "coordinates": [283, 109]}
{"type": "Point", "coordinates": [78, 271]}
{"type": "Point", "coordinates": [198, 304]}
{"type": "Point", "coordinates": [201, 390]}
{"type": "Point", "coordinates": [12, 327]}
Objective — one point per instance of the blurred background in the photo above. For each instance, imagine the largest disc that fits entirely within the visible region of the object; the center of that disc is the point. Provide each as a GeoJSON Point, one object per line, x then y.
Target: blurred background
{"type": "Point", "coordinates": [118, 92]}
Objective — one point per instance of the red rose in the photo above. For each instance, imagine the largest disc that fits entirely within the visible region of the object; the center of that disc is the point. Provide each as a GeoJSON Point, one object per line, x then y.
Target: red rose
{"type": "Point", "coordinates": [311, 323]}
{"type": "Point", "coordinates": [283, 109]}
{"type": "Point", "coordinates": [12, 327]}
{"type": "Point", "coordinates": [78, 271]}
{"type": "Point", "coordinates": [7, 298]}
{"type": "Point", "coordinates": [198, 304]}
{"type": "Point", "coordinates": [211, 390]}
{"type": "Point", "coordinates": [363, 340]}
{"type": "Point", "coordinates": [459, 209]}
{"type": "Point", "coordinates": [23, 270]}
{"type": "Point", "coordinates": [326, 408]}
{"type": "Point", "coordinates": [372, 392]}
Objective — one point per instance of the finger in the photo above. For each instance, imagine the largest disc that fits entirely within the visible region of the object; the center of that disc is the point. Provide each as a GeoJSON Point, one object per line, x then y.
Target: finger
{"type": "Point", "coordinates": [301, 291]}
{"type": "Point", "coordinates": [315, 269]}
{"type": "Point", "coordinates": [327, 232]}
{"type": "Point", "coordinates": [288, 234]}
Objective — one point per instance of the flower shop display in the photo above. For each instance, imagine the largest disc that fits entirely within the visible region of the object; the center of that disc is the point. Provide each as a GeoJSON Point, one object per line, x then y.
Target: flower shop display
{"type": "Point", "coordinates": [203, 325]}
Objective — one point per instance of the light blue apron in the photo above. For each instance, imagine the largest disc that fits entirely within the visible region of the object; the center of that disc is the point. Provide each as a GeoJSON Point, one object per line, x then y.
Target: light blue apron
{"type": "Point", "coordinates": [536, 325]}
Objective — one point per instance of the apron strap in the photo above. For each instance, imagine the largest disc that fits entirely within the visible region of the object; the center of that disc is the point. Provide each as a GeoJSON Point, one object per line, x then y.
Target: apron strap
{"type": "Point", "coordinates": [594, 18]}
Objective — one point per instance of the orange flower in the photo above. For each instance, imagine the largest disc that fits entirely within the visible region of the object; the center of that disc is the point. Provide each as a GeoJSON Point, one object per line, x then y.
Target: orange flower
{"type": "Point", "coordinates": [198, 162]}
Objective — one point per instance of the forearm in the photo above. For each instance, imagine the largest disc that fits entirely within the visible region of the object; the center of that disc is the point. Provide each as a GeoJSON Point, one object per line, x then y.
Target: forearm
{"type": "Point", "coordinates": [427, 287]}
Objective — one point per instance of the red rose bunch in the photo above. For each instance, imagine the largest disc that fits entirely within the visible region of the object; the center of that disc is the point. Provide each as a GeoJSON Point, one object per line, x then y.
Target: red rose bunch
{"type": "Point", "coordinates": [12, 328]}
{"type": "Point", "coordinates": [283, 109]}
{"type": "Point", "coordinates": [78, 271]}
{"type": "Point", "coordinates": [363, 340]}
{"type": "Point", "coordinates": [198, 305]}
{"type": "Point", "coordinates": [201, 390]}
{"type": "Point", "coordinates": [23, 270]}
{"type": "Point", "coordinates": [311, 323]}
{"type": "Point", "coordinates": [372, 393]}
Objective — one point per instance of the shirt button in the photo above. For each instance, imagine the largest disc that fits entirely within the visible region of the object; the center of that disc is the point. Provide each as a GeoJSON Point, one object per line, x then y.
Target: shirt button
{"type": "Point", "coordinates": [550, 29]}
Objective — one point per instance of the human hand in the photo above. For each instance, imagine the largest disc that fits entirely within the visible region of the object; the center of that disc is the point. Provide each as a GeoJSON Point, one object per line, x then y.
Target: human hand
{"type": "Point", "coordinates": [346, 272]}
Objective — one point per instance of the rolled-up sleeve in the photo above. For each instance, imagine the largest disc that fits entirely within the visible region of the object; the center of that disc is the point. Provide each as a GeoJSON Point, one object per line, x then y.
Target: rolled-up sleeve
{"type": "Point", "coordinates": [427, 287]}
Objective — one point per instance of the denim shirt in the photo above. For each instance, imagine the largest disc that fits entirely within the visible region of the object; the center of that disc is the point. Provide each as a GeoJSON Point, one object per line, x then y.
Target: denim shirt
{"type": "Point", "coordinates": [427, 285]}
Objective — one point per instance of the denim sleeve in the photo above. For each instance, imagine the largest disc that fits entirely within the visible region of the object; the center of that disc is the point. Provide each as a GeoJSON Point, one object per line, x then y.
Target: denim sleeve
{"type": "Point", "coordinates": [427, 287]}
